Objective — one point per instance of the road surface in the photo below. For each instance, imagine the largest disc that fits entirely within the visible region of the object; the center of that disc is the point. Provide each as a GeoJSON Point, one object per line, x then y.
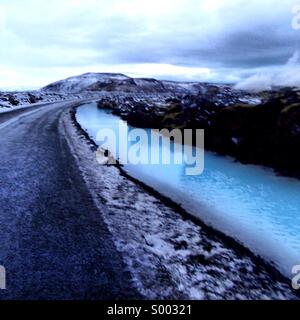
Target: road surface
{"type": "Point", "coordinates": [53, 241]}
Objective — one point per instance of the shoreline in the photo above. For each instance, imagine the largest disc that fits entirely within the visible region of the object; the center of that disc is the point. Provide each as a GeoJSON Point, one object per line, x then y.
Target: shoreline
{"type": "Point", "coordinates": [212, 232]}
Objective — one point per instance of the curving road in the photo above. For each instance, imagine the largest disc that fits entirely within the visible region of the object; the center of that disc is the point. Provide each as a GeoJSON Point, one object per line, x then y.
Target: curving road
{"type": "Point", "coordinates": [53, 241]}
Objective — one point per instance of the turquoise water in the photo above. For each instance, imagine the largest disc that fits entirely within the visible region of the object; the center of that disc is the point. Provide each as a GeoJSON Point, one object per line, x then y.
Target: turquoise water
{"type": "Point", "coordinates": [249, 203]}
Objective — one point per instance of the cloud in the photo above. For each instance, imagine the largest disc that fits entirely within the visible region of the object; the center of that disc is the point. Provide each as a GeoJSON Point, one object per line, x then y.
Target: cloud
{"type": "Point", "coordinates": [286, 75]}
{"type": "Point", "coordinates": [231, 38]}
{"type": "Point", "coordinates": [256, 83]}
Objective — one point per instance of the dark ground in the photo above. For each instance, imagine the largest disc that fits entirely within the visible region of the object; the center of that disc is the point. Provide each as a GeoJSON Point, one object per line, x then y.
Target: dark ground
{"type": "Point", "coordinates": [53, 241]}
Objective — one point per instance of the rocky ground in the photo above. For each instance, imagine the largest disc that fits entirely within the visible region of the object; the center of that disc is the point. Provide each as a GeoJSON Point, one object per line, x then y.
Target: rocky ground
{"type": "Point", "coordinates": [9, 100]}
{"type": "Point", "coordinates": [14, 100]}
{"type": "Point", "coordinates": [258, 129]}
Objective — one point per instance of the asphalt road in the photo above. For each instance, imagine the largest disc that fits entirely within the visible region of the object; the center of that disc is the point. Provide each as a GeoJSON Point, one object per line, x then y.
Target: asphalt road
{"type": "Point", "coordinates": [53, 241]}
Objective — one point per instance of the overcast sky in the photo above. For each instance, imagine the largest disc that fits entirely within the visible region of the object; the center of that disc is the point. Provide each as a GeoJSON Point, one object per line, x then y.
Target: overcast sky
{"type": "Point", "coordinates": [204, 40]}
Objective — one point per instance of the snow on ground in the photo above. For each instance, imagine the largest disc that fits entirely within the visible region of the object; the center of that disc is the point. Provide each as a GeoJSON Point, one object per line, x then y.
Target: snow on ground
{"type": "Point", "coordinates": [80, 83]}
{"type": "Point", "coordinates": [169, 257]}
{"type": "Point", "coordinates": [251, 100]}
{"type": "Point", "coordinates": [16, 100]}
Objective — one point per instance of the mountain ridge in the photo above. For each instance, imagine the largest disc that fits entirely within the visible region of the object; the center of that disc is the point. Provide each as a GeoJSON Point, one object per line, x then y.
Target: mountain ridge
{"type": "Point", "coordinates": [93, 82]}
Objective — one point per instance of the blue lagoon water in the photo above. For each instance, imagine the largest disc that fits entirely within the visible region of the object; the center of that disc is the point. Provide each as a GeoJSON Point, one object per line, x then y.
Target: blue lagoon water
{"type": "Point", "coordinates": [251, 204]}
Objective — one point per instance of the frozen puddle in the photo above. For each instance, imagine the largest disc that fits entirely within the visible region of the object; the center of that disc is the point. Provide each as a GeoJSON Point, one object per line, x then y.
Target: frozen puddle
{"type": "Point", "coordinates": [248, 203]}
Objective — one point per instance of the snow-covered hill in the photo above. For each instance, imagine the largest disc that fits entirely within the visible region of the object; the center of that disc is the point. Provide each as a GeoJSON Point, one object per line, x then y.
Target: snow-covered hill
{"type": "Point", "coordinates": [99, 85]}
{"type": "Point", "coordinates": [119, 82]}
{"type": "Point", "coordinates": [84, 82]}
{"type": "Point", "coordinates": [116, 83]}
